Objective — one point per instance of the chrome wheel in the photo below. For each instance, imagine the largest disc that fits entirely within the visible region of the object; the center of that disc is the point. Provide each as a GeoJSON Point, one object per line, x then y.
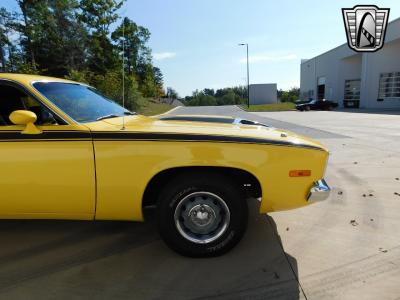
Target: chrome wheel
{"type": "Point", "coordinates": [202, 217]}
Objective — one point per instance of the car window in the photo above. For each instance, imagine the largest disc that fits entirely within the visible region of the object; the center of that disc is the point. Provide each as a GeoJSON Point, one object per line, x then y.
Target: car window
{"type": "Point", "coordinates": [80, 102]}
{"type": "Point", "coordinates": [12, 98]}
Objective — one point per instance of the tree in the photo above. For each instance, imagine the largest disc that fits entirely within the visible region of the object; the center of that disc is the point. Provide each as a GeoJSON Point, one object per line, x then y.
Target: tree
{"type": "Point", "coordinates": [26, 29]}
{"type": "Point", "coordinates": [72, 38]}
{"type": "Point", "coordinates": [110, 85]}
{"type": "Point", "coordinates": [158, 77]}
{"type": "Point", "coordinates": [69, 38]}
{"type": "Point", "coordinates": [225, 96]}
{"type": "Point", "coordinates": [98, 16]}
{"type": "Point", "coordinates": [209, 92]}
{"type": "Point", "coordinates": [132, 39]}
{"type": "Point", "coordinates": [52, 41]}
{"type": "Point", "coordinates": [4, 40]}
{"type": "Point", "coordinates": [135, 39]}
{"type": "Point", "coordinates": [207, 100]}
{"type": "Point", "coordinates": [291, 95]}
{"type": "Point", "coordinates": [228, 98]}
{"type": "Point", "coordinates": [171, 93]}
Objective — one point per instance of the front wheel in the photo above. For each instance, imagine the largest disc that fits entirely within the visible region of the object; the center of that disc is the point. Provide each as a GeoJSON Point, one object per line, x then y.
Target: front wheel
{"type": "Point", "coordinates": [202, 214]}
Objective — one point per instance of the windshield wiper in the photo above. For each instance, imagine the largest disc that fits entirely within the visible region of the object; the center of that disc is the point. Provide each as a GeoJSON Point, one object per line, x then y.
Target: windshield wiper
{"type": "Point", "coordinates": [126, 113]}
{"type": "Point", "coordinates": [107, 117]}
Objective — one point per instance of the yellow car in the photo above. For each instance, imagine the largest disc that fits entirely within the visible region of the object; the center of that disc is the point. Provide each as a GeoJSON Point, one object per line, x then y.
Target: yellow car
{"type": "Point", "coordinates": [67, 152]}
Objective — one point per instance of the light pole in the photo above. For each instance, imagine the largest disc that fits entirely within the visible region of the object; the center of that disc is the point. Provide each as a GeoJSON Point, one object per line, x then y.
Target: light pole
{"type": "Point", "coordinates": [248, 80]}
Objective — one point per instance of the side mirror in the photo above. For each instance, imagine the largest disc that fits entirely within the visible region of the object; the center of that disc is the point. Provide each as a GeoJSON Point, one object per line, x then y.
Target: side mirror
{"type": "Point", "coordinates": [25, 117]}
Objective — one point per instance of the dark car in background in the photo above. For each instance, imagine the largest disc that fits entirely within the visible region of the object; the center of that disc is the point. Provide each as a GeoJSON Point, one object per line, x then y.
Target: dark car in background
{"type": "Point", "coordinates": [316, 105]}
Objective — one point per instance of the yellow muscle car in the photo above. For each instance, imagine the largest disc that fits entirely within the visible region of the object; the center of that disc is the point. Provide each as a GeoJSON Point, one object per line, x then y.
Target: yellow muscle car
{"type": "Point", "coordinates": [67, 152]}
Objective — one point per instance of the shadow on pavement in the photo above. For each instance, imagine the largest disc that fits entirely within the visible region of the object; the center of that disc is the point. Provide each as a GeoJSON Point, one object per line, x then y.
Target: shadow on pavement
{"type": "Point", "coordinates": [103, 260]}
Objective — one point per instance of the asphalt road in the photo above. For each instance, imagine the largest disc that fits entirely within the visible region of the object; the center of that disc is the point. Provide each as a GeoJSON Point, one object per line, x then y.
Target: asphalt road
{"type": "Point", "coordinates": [347, 247]}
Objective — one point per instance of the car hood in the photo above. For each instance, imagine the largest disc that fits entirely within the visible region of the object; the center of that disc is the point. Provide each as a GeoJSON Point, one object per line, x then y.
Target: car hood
{"type": "Point", "coordinates": [199, 128]}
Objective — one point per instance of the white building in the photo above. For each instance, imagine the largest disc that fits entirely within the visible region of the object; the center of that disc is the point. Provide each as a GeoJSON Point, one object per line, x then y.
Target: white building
{"type": "Point", "coordinates": [263, 93]}
{"type": "Point", "coordinates": [365, 80]}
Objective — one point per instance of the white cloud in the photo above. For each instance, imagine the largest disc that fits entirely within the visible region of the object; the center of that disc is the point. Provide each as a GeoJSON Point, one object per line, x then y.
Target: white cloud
{"type": "Point", "coordinates": [268, 57]}
{"type": "Point", "coordinates": [163, 55]}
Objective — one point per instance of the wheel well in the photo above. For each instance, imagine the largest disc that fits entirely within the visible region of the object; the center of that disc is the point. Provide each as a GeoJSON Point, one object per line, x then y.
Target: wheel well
{"type": "Point", "coordinates": [248, 181]}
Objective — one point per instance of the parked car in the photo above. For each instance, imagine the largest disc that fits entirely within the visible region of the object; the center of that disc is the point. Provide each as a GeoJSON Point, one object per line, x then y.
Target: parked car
{"type": "Point", "coordinates": [299, 101]}
{"type": "Point", "coordinates": [316, 105]}
{"type": "Point", "coordinates": [67, 152]}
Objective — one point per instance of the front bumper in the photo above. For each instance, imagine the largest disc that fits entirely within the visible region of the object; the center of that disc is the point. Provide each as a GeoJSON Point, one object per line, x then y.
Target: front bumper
{"type": "Point", "coordinates": [319, 191]}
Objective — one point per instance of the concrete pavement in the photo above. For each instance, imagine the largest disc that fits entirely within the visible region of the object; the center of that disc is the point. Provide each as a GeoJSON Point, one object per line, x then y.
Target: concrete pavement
{"type": "Point", "coordinates": [349, 246]}
{"type": "Point", "coordinates": [121, 260]}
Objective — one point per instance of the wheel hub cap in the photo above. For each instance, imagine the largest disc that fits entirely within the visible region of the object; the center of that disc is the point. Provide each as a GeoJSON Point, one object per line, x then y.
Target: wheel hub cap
{"type": "Point", "coordinates": [202, 217]}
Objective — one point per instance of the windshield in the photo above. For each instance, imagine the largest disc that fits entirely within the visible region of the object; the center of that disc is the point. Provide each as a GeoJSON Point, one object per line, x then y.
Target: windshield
{"type": "Point", "coordinates": [82, 103]}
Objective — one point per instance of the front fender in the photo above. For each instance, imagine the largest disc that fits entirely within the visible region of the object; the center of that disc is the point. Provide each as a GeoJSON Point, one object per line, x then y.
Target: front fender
{"type": "Point", "coordinates": [124, 168]}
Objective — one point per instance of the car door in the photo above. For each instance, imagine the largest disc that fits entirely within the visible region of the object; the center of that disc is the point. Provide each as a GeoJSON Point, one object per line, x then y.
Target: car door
{"type": "Point", "coordinates": [45, 175]}
{"type": "Point", "coordinates": [318, 104]}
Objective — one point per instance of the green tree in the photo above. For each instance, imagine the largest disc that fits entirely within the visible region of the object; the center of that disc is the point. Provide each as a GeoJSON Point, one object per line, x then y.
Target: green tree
{"type": "Point", "coordinates": [135, 39]}
{"type": "Point", "coordinates": [291, 95]}
{"type": "Point", "coordinates": [27, 29]}
{"type": "Point", "coordinates": [72, 38]}
{"type": "Point", "coordinates": [158, 77]}
{"type": "Point", "coordinates": [207, 100]}
{"type": "Point", "coordinates": [209, 92]}
{"type": "Point", "coordinates": [51, 39]}
{"type": "Point", "coordinates": [200, 99]}
{"type": "Point", "coordinates": [132, 39]}
{"type": "Point", "coordinates": [110, 85]}
{"type": "Point", "coordinates": [98, 16]}
{"type": "Point", "coordinates": [171, 93]}
{"type": "Point", "coordinates": [227, 99]}
{"type": "Point", "coordinates": [69, 38]}
{"type": "Point", "coordinates": [4, 40]}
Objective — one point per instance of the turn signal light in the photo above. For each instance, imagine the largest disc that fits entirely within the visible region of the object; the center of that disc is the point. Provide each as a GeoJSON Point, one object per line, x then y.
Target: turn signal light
{"type": "Point", "coordinates": [299, 173]}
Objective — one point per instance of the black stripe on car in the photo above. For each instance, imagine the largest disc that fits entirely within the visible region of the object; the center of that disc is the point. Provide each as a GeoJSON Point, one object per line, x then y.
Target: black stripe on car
{"type": "Point", "coordinates": [17, 136]}
{"type": "Point", "coordinates": [142, 136]}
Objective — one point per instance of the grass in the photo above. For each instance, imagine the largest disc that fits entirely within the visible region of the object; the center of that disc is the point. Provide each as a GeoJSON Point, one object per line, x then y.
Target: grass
{"type": "Point", "coordinates": [270, 107]}
{"type": "Point", "coordinates": [151, 108]}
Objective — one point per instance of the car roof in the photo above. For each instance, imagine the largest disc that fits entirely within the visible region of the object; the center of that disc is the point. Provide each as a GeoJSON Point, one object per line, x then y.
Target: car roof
{"type": "Point", "coordinates": [28, 79]}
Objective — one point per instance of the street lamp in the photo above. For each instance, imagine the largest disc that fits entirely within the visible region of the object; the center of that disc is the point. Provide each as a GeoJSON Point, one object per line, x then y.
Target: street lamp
{"type": "Point", "coordinates": [248, 80]}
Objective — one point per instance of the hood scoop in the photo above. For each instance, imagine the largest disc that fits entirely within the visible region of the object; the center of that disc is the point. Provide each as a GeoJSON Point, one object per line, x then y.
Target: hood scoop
{"type": "Point", "coordinates": [248, 122]}
{"type": "Point", "coordinates": [211, 119]}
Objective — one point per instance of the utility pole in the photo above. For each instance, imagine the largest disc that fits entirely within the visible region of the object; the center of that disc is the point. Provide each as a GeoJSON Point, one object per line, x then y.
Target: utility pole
{"type": "Point", "coordinates": [248, 72]}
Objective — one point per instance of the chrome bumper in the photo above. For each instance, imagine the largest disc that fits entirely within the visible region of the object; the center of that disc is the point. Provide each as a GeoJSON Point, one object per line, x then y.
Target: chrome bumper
{"type": "Point", "coordinates": [319, 191]}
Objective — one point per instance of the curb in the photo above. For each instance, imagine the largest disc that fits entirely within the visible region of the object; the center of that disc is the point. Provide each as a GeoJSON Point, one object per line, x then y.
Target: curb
{"type": "Point", "coordinates": [238, 106]}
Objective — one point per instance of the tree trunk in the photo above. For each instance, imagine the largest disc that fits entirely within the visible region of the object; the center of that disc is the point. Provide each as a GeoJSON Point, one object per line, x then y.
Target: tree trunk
{"type": "Point", "coordinates": [22, 4]}
{"type": "Point", "coordinates": [2, 59]}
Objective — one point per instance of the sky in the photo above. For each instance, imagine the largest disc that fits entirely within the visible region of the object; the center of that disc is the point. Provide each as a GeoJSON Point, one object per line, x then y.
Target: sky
{"type": "Point", "coordinates": [195, 42]}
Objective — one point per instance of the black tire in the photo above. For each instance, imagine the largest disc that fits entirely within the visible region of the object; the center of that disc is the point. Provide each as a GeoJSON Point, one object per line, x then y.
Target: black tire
{"type": "Point", "coordinates": [307, 108]}
{"type": "Point", "coordinates": [183, 186]}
